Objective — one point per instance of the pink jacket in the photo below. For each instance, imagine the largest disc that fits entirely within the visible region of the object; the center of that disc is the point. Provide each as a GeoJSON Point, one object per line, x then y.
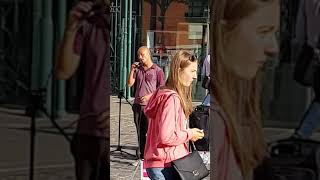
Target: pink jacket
{"type": "Point", "coordinates": [167, 134]}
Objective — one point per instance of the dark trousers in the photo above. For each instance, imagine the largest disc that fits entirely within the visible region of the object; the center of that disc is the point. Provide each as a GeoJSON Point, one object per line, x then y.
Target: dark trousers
{"type": "Point", "coordinates": [91, 155]}
{"type": "Point", "coordinates": [141, 122]}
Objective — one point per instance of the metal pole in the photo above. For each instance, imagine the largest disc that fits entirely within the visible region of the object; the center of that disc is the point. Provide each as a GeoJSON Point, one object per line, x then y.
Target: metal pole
{"type": "Point", "coordinates": [116, 17]}
{"type": "Point", "coordinates": [32, 144]}
{"type": "Point", "coordinates": [125, 53]}
{"type": "Point", "coordinates": [46, 42]}
{"type": "Point", "coordinates": [35, 44]}
{"type": "Point", "coordinates": [34, 75]}
{"type": "Point", "coordinates": [122, 59]}
{"type": "Point", "coordinates": [129, 43]}
{"type": "Point", "coordinates": [208, 31]}
{"type": "Point", "coordinates": [62, 12]}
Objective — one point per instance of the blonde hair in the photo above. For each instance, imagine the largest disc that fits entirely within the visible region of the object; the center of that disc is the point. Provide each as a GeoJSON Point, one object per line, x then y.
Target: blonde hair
{"type": "Point", "coordinates": [239, 98]}
{"type": "Point", "coordinates": [181, 60]}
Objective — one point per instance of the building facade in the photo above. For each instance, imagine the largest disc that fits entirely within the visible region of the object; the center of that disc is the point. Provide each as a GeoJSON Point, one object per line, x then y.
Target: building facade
{"type": "Point", "coordinates": [165, 26]}
{"type": "Point", "coordinates": [31, 29]}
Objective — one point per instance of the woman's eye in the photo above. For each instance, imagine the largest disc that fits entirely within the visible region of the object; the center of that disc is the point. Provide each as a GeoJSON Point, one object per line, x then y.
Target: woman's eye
{"type": "Point", "coordinates": [265, 31]}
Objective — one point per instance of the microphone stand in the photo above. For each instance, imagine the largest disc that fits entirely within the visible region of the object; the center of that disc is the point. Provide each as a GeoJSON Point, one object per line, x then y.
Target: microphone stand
{"type": "Point", "coordinates": [37, 98]}
{"type": "Point", "coordinates": [119, 147]}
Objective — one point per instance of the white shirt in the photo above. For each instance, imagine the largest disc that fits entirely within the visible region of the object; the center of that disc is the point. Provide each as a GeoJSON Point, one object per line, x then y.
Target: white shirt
{"type": "Point", "coordinates": [206, 66]}
{"type": "Point", "coordinates": [308, 23]}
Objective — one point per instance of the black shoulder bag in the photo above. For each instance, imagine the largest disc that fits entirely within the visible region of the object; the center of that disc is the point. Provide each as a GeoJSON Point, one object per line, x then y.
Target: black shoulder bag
{"type": "Point", "coordinates": [191, 167]}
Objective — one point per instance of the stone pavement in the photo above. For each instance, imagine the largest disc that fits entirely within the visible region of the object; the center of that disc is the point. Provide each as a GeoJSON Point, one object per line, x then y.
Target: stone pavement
{"type": "Point", "coordinates": [121, 164]}
{"type": "Point", "coordinates": [53, 160]}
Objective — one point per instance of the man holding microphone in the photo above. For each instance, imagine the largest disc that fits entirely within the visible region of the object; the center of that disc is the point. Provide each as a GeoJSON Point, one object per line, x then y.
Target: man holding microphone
{"type": "Point", "coordinates": [147, 77]}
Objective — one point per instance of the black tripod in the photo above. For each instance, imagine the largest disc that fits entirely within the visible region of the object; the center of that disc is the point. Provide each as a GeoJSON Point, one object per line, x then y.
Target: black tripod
{"type": "Point", "coordinates": [119, 147]}
{"type": "Point", "coordinates": [37, 99]}
{"type": "Point", "coordinates": [36, 103]}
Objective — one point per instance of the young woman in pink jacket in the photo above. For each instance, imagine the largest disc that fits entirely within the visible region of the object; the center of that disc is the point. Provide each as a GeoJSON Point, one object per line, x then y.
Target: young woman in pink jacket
{"type": "Point", "coordinates": [167, 111]}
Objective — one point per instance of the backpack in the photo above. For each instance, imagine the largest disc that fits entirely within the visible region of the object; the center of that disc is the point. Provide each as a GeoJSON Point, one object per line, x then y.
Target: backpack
{"type": "Point", "coordinates": [199, 118]}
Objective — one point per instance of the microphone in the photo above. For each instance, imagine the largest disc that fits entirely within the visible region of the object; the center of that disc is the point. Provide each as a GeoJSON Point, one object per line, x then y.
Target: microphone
{"type": "Point", "coordinates": [137, 64]}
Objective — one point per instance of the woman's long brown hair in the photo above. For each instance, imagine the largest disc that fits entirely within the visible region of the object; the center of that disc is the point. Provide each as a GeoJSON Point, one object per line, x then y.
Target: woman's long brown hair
{"type": "Point", "coordinates": [181, 60]}
{"type": "Point", "coordinates": [239, 98]}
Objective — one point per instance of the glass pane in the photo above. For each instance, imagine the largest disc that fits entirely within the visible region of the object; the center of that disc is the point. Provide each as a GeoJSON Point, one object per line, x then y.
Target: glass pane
{"type": "Point", "coordinates": [168, 26]}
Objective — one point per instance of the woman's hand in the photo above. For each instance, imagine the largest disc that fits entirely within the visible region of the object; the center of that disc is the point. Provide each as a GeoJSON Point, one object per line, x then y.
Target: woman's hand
{"type": "Point", "coordinates": [146, 98]}
{"type": "Point", "coordinates": [197, 134]}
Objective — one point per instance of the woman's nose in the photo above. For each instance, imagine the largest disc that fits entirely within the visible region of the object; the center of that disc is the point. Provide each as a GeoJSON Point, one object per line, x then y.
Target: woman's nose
{"type": "Point", "coordinates": [272, 52]}
{"type": "Point", "coordinates": [195, 76]}
{"type": "Point", "coordinates": [272, 49]}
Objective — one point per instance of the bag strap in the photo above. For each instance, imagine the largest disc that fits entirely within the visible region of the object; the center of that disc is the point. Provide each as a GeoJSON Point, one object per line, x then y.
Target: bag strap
{"type": "Point", "coordinates": [204, 99]}
{"type": "Point", "coordinates": [192, 147]}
